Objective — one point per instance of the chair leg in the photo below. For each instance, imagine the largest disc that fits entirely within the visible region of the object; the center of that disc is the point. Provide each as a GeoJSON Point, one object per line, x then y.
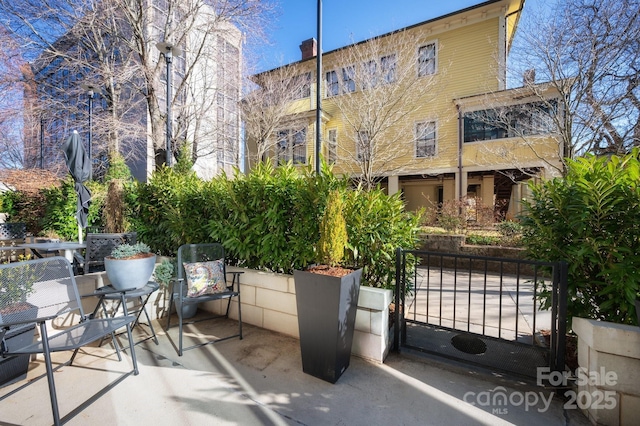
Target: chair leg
{"type": "Point", "coordinates": [239, 317]}
{"type": "Point", "coordinates": [130, 335]}
{"type": "Point", "coordinates": [144, 308]}
{"type": "Point", "coordinates": [50, 381]}
{"type": "Point", "coordinates": [169, 311]}
{"type": "Point", "coordinates": [133, 351]}
{"type": "Point", "coordinates": [180, 325]}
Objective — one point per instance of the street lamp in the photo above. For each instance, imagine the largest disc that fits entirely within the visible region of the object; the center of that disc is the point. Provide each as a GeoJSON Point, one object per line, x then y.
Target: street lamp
{"type": "Point", "coordinates": [318, 85]}
{"type": "Point", "coordinates": [91, 89]}
{"type": "Point", "coordinates": [168, 50]}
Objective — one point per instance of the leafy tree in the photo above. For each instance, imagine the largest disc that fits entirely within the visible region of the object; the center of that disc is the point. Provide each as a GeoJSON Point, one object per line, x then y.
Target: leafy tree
{"type": "Point", "coordinates": [591, 219]}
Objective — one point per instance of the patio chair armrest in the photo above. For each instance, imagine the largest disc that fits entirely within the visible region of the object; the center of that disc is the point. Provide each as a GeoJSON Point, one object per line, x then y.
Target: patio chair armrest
{"type": "Point", "coordinates": [235, 279]}
{"type": "Point", "coordinates": [8, 325]}
{"type": "Point", "coordinates": [172, 286]}
{"type": "Point", "coordinates": [78, 258]}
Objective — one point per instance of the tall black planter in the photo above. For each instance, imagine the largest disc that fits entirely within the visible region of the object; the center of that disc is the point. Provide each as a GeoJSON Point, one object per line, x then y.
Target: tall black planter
{"type": "Point", "coordinates": [15, 368]}
{"type": "Point", "coordinates": [326, 320]}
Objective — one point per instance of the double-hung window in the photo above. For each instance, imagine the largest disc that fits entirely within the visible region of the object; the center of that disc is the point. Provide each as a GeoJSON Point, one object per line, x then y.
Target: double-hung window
{"type": "Point", "coordinates": [363, 146]}
{"type": "Point", "coordinates": [369, 74]}
{"type": "Point", "coordinates": [291, 145]}
{"type": "Point", "coordinates": [425, 139]}
{"type": "Point", "coordinates": [388, 68]}
{"type": "Point", "coordinates": [427, 59]}
{"type": "Point", "coordinates": [348, 79]}
{"type": "Point", "coordinates": [332, 139]}
{"type": "Point", "coordinates": [333, 85]}
{"type": "Point", "coordinates": [301, 85]}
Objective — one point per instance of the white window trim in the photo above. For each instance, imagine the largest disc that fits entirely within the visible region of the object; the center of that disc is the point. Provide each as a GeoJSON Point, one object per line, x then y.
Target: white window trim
{"type": "Point", "coordinates": [332, 146]}
{"type": "Point", "coordinates": [436, 62]}
{"type": "Point", "coordinates": [415, 139]}
{"type": "Point", "coordinates": [326, 83]}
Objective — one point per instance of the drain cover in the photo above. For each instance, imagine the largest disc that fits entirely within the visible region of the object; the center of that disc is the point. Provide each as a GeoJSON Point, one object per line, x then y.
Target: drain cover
{"type": "Point", "coordinates": [468, 344]}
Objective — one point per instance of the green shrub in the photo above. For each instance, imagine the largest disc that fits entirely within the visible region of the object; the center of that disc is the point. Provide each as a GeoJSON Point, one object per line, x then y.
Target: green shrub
{"type": "Point", "coordinates": [453, 216]}
{"type": "Point", "coordinates": [591, 219]}
{"type": "Point", "coordinates": [162, 211]}
{"type": "Point", "coordinates": [377, 224]}
{"type": "Point", "coordinates": [269, 218]}
{"type": "Point", "coordinates": [333, 231]}
{"type": "Point", "coordinates": [509, 228]}
{"type": "Point", "coordinates": [482, 240]}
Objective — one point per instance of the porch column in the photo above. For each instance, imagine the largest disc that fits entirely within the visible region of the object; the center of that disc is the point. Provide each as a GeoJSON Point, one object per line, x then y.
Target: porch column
{"type": "Point", "coordinates": [487, 190]}
{"type": "Point", "coordinates": [394, 185]}
{"type": "Point", "coordinates": [461, 184]}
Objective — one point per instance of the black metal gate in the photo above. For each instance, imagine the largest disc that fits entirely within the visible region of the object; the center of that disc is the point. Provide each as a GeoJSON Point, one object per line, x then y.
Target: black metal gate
{"type": "Point", "coordinates": [482, 310]}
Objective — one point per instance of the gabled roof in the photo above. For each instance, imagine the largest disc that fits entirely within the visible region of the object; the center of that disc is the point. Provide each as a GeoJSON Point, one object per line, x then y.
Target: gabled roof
{"type": "Point", "coordinates": [513, 12]}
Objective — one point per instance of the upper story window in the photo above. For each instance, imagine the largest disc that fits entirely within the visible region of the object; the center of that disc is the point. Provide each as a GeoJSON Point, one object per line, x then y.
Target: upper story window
{"type": "Point", "coordinates": [301, 85]}
{"type": "Point", "coordinates": [332, 139]}
{"type": "Point", "coordinates": [369, 74]}
{"type": "Point", "coordinates": [291, 145]}
{"type": "Point", "coordinates": [363, 146]}
{"type": "Point", "coordinates": [333, 86]}
{"type": "Point", "coordinates": [388, 66]}
{"type": "Point", "coordinates": [507, 122]}
{"type": "Point", "coordinates": [427, 59]}
{"type": "Point", "coordinates": [348, 79]}
{"type": "Point", "coordinates": [425, 139]}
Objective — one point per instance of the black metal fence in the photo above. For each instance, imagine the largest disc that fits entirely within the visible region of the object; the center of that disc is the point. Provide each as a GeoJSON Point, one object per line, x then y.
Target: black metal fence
{"type": "Point", "coordinates": [482, 310]}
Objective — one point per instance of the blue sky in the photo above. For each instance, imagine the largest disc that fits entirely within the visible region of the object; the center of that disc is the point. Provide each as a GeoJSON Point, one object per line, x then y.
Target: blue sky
{"type": "Point", "coordinates": [347, 21]}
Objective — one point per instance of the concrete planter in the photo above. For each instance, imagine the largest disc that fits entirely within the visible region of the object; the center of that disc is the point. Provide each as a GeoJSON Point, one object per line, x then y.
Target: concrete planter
{"type": "Point", "coordinates": [269, 301]}
{"type": "Point", "coordinates": [608, 387]}
{"type": "Point", "coordinates": [129, 273]}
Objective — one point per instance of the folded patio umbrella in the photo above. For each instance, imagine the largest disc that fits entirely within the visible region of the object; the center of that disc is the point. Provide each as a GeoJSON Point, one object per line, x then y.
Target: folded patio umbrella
{"type": "Point", "coordinates": [79, 166]}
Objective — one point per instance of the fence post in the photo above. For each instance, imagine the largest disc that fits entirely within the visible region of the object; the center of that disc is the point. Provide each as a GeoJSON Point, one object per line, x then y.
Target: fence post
{"type": "Point", "coordinates": [396, 324]}
{"type": "Point", "coordinates": [562, 315]}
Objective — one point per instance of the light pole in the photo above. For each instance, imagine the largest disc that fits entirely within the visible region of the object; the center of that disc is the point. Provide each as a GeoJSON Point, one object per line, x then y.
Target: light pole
{"type": "Point", "coordinates": [318, 86]}
{"type": "Point", "coordinates": [91, 89]}
{"type": "Point", "coordinates": [168, 50]}
{"type": "Point", "coordinates": [42, 142]}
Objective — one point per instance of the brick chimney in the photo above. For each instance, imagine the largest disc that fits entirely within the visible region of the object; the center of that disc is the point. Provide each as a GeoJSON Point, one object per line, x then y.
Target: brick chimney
{"type": "Point", "coordinates": [309, 48]}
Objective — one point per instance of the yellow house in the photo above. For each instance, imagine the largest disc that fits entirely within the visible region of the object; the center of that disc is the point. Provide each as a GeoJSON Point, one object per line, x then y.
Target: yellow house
{"type": "Point", "coordinates": [423, 110]}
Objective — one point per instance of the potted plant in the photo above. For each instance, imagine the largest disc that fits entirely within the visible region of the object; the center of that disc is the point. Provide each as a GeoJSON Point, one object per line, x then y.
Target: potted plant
{"type": "Point", "coordinates": [327, 299]}
{"type": "Point", "coordinates": [15, 287]}
{"type": "Point", "coordinates": [130, 266]}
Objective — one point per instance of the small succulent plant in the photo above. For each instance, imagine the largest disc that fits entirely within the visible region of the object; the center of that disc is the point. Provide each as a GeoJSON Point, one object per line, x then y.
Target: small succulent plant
{"type": "Point", "coordinates": [124, 251]}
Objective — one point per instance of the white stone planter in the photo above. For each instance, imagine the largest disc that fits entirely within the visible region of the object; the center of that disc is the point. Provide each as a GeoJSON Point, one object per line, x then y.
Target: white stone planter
{"type": "Point", "coordinates": [609, 356]}
{"type": "Point", "coordinates": [269, 301]}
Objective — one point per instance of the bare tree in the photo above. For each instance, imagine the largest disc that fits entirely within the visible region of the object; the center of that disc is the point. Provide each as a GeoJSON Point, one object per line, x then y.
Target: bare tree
{"type": "Point", "coordinates": [268, 106]}
{"type": "Point", "coordinates": [111, 43]}
{"type": "Point", "coordinates": [588, 52]}
{"type": "Point", "coordinates": [376, 86]}
{"type": "Point", "coordinates": [11, 90]}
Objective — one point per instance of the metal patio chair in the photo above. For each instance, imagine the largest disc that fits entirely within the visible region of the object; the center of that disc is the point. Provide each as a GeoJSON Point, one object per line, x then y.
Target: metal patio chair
{"type": "Point", "coordinates": [43, 293]}
{"type": "Point", "coordinates": [191, 254]}
{"type": "Point", "coordinates": [99, 245]}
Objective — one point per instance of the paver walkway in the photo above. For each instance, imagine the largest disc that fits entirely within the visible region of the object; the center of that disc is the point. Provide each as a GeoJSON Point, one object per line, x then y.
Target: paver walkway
{"type": "Point", "coordinates": [259, 381]}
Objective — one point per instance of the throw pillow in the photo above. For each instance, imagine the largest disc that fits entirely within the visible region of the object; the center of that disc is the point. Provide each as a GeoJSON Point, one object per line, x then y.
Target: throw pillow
{"type": "Point", "coordinates": [205, 278]}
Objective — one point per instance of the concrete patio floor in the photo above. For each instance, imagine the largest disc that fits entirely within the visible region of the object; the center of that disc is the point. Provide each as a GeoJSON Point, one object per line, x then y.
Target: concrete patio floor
{"type": "Point", "coordinates": [259, 381]}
